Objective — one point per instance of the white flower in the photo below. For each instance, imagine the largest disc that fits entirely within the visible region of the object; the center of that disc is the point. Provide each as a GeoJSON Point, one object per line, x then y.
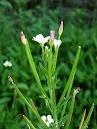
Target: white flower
{"type": "Point", "coordinates": [41, 39]}
{"type": "Point", "coordinates": [7, 64]}
{"type": "Point", "coordinates": [47, 119]}
{"type": "Point", "coordinates": [57, 43]}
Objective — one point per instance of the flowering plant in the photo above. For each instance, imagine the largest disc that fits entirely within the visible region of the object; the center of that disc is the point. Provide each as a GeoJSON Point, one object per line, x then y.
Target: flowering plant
{"type": "Point", "coordinates": [58, 118]}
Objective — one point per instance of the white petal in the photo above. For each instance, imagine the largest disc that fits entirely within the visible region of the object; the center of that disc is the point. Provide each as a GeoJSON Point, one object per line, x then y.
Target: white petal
{"type": "Point", "coordinates": [43, 118]}
{"type": "Point", "coordinates": [49, 117]}
{"type": "Point", "coordinates": [48, 124]}
{"type": "Point", "coordinates": [10, 64]}
{"type": "Point", "coordinates": [57, 43]}
{"type": "Point", "coordinates": [50, 120]}
{"type": "Point", "coordinates": [41, 39]}
{"type": "Point", "coordinates": [47, 38]}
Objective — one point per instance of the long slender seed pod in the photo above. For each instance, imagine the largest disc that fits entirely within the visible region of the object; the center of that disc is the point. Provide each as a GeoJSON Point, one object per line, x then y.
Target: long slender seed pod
{"type": "Point", "coordinates": [82, 119]}
{"type": "Point", "coordinates": [85, 125]}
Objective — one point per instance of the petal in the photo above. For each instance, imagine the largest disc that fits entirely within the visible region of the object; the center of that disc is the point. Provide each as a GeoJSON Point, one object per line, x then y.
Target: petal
{"type": "Point", "coordinates": [10, 64]}
{"type": "Point", "coordinates": [49, 117]}
{"type": "Point", "coordinates": [35, 39]}
{"type": "Point", "coordinates": [43, 118]}
{"type": "Point", "coordinates": [40, 37]}
{"type": "Point", "coordinates": [47, 38]}
{"type": "Point", "coordinates": [57, 43]}
{"type": "Point", "coordinates": [51, 121]}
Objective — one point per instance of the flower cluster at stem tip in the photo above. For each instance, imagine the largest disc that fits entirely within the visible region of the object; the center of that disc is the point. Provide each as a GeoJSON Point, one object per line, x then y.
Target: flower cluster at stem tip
{"type": "Point", "coordinates": [42, 40]}
{"type": "Point", "coordinates": [52, 41]}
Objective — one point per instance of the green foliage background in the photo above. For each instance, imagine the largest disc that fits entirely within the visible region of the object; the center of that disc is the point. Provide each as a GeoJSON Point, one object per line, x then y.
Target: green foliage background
{"type": "Point", "coordinates": [33, 17]}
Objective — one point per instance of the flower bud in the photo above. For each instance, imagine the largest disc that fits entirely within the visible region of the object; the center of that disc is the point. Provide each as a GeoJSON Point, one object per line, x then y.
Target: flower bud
{"type": "Point", "coordinates": [23, 38]}
{"type": "Point", "coordinates": [61, 28]}
{"type": "Point", "coordinates": [10, 79]}
{"type": "Point", "coordinates": [52, 34]}
{"type": "Point", "coordinates": [76, 91]}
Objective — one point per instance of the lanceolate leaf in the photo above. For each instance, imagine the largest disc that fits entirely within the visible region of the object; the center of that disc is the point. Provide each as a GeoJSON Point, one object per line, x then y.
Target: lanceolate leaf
{"type": "Point", "coordinates": [67, 88]}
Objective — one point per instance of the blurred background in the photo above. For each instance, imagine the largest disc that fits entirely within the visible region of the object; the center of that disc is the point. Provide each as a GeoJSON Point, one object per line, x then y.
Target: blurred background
{"type": "Point", "coordinates": [41, 16]}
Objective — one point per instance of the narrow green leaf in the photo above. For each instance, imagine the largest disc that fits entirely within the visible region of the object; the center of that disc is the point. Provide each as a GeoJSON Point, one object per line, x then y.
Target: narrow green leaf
{"type": "Point", "coordinates": [34, 71]}
{"type": "Point", "coordinates": [33, 68]}
{"type": "Point", "coordinates": [27, 103]}
{"type": "Point", "coordinates": [63, 110]}
{"type": "Point", "coordinates": [29, 122]}
{"type": "Point", "coordinates": [69, 83]}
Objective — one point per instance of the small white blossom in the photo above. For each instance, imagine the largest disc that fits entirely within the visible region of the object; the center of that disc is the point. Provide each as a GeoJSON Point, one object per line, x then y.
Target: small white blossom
{"type": "Point", "coordinates": [57, 43]}
{"type": "Point", "coordinates": [41, 39]}
{"type": "Point", "coordinates": [47, 119]}
{"type": "Point", "coordinates": [7, 64]}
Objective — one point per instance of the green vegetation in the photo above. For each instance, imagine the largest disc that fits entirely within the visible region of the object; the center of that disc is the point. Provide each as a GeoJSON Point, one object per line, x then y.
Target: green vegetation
{"type": "Point", "coordinates": [80, 28]}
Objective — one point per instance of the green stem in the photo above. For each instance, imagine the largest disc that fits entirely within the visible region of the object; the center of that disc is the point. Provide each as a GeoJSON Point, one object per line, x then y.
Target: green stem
{"type": "Point", "coordinates": [14, 96]}
{"type": "Point", "coordinates": [54, 104]}
{"type": "Point", "coordinates": [50, 73]}
{"type": "Point", "coordinates": [28, 104]}
{"type": "Point", "coordinates": [63, 110]}
{"type": "Point", "coordinates": [55, 59]}
{"type": "Point", "coordinates": [43, 54]}
{"type": "Point", "coordinates": [51, 85]}
{"type": "Point", "coordinates": [70, 112]}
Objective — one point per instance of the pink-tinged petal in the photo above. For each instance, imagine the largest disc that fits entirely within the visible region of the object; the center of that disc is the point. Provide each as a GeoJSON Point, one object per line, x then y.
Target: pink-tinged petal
{"type": "Point", "coordinates": [52, 35]}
